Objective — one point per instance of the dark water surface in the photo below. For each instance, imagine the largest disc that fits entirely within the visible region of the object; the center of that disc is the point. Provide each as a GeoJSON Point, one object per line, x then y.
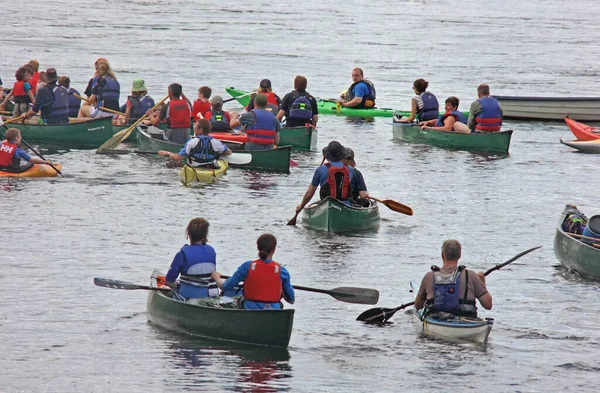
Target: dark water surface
{"type": "Point", "coordinates": [120, 217]}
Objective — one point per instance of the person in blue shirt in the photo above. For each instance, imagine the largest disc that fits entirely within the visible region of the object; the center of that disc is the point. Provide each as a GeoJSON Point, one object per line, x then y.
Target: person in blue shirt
{"type": "Point", "coordinates": [193, 265]}
{"type": "Point", "coordinates": [332, 178]}
{"type": "Point", "coordinates": [11, 154]}
{"type": "Point", "coordinates": [265, 281]}
{"type": "Point", "coordinates": [361, 94]}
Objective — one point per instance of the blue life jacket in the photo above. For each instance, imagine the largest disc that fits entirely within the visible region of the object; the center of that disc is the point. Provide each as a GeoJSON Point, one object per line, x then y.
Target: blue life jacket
{"type": "Point", "coordinates": [490, 118]}
{"type": "Point", "coordinates": [431, 107]}
{"type": "Point", "coordinates": [139, 107]}
{"type": "Point", "coordinates": [301, 108]}
{"type": "Point", "coordinates": [446, 293]}
{"type": "Point", "coordinates": [201, 261]}
{"type": "Point", "coordinates": [459, 117]}
{"type": "Point", "coordinates": [218, 121]}
{"type": "Point", "coordinates": [58, 112]}
{"type": "Point", "coordinates": [203, 152]}
{"type": "Point", "coordinates": [108, 89]}
{"type": "Point", "coordinates": [264, 129]}
{"type": "Point", "coordinates": [146, 103]}
{"type": "Point", "coordinates": [371, 95]}
{"type": "Point", "coordinates": [74, 102]}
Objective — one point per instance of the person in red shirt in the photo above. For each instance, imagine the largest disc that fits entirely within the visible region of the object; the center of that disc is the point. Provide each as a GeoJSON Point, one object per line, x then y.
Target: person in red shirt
{"type": "Point", "coordinates": [218, 118]}
{"type": "Point", "coordinates": [201, 105]}
{"type": "Point", "coordinates": [35, 76]}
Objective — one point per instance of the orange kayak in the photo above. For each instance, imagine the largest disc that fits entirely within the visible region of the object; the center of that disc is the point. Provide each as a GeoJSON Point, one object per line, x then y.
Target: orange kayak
{"type": "Point", "coordinates": [581, 131]}
{"type": "Point", "coordinates": [37, 170]}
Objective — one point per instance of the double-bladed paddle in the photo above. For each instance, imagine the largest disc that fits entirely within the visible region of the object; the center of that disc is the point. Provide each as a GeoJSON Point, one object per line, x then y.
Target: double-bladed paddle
{"type": "Point", "coordinates": [380, 315]}
{"type": "Point", "coordinates": [344, 294]}
{"type": "Point", "coordinates": [395, 206]}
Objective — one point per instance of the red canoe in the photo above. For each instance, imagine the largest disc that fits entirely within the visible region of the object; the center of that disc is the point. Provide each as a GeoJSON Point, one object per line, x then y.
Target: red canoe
{"type": "Point", "coordinates": [581, 131]}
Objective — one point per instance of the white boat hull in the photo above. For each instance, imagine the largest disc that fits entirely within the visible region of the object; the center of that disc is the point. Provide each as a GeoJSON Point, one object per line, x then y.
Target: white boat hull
{"type": "Point", "coordinates": [550, 108]}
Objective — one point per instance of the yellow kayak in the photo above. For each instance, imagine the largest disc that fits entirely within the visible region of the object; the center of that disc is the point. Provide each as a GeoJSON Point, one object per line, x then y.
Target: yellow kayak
{"type": "Point", "coordinates": [189, 175]}
{"type": "Point", "coordinates": [37, 170]}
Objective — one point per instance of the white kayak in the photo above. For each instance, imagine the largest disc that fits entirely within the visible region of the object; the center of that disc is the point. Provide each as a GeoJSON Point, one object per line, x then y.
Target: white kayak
{"type": "Point", "coordinates": [592, 147]}
{"type": "Point", "coordinates": [454, 329]}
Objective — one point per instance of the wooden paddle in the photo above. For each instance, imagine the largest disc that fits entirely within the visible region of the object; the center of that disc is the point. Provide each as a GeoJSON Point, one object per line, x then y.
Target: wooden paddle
{"type": "Point", "coordinates": [100, 107]}
{"type": "Point", "coordinates": [344, 294]}
{"type": "Point", "coordinates": [380, 315]}
{"type": "Point", "coordinates": [116, 284]}
{"type": "Point", "coordinates": [124, 134]}
{"type": "Point", "coordinates": [395, 206]}
{"type": "Point", "coordinates": [593, 239]}
{"type": "Point", "coordinates": [29, 146]}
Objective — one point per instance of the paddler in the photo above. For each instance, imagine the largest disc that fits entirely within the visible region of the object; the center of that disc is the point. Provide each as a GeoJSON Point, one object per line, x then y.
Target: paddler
{"type": "Point", "coordinates": [273, 100]}
{"type": "Point", "coordinates": [360, 94]}
{"type": "Point", "coordinates": [103, 90]}
{"type": "Point", "coordinates": [335, 178]}
{"type": "Point", "coordinates": [22, 92]}
{"type": "Point", "coordinates": [193, 265]}
{"type": "Point", "coordinates": [177, 112]}
{"type": "Point", "coordinates": [52, 100]}
{"type": "Point", "coordinates": [452, 288]}
{"type": "Point", "coordinates": [74, 102]}
{"type": "Point", "coordinates": [424, 105]}
{"type": "Point", "coordinates": [265, 281]}
{"type": "Point", "coordinates": [11, 154]}
{"type": "Point", "coordinates": [361, 187]}
{"type": "Point", "coordinates": [218, 118]}
{"type": "Point", "coordinates": [451, 121]}
{"type": "Point", "coordinates": [202, 150]}
{"type": "Point", "coordinates": [138, 103]}
{"type": "Point", "coordinates": [298, 106]}
{"type": "Point", "coordinates": [261, 126]}
{"type": "Point", "coordinates": [485, 114]}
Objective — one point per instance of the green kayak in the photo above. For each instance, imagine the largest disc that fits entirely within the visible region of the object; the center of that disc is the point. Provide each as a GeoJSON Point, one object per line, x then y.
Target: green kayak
{"type": "Point", "coordinates": [332, 215]}
{"type": "Point", "coordinates": [258, 327]}
{"type": "Point", "coordinates": [275, 160]}
{"type": "Point", "coordinates": [497, 142]}
{"type": "Point", "coordinates": [87, 134]}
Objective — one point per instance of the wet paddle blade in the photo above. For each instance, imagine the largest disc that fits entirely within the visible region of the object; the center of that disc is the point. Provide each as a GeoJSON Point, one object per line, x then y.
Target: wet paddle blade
{"type": "Point", "coordinates": [398, 207]}
{"type": "Point", "coordinates": [355, 295]}
{"type": "Point", "coordinates": [116, 284]}
{"type": "Point", "coordinates": [371, 314]}
{"type": "Point", "coordinates": [294, 219]}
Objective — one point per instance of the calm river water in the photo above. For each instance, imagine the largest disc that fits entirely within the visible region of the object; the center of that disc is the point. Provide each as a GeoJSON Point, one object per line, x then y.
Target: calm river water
{"type": "Point", "coordinates": [121, 217]}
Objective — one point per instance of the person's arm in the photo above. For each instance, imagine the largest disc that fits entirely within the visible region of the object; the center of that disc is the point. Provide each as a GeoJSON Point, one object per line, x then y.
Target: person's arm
{"type": "Point", "coordinates": [315, 120]}
{"type": "Point", "coordinates": [240, 275]}
{"type": "Point", "coordinates": [421, 297]}
{"type": "Point", "coordinates": [310, 192]}
{"type": "Point", "coordinates": [481, 292]}
{"type": "Point", "coordinates": [44, 97]}
{"type": "Point", "coordinates": [360, 90]}
{"type": "Point", "coordinates": [413, 112]}
{"type": "Point", "coordinates": [8, 97]}
{"type": "Point", "coordinates": [177, 267]}
{"type": "Point", "coordinates": [220, 148]}
{"type": "Point", "coordinates": [447, 127]}
{"type": "Point", "coordinates": [473, 111]}
{"type": "Point", "coordinates": [280, 115]}
{"type": "Point", "coordinates": [352, 103]}
{"type": "Point", "coordinates": [30, 92]}
{"type": "Point", "coordinates": [127, 111]}
{"type": "Point", "coordinates": [428, 123]}
{"type": "Point", "coordinates": [277, 131]}
{"type": "Point", "coordinates": [286, 286]}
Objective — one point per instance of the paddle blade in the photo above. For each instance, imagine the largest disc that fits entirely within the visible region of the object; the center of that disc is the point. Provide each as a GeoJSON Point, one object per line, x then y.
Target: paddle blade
{"type": "Point", "coordinates": [355, 295]}
{"type": "Point", "coordinates": [238, 158]}
{"type": "Point", "coordinates": [294, 219]}
{"type": "Point", "coordinates": [371, 314]}
{"type": "Point", "coordinates": [398, 207]}
{"type": "Point", "coordinates": [116, 284]}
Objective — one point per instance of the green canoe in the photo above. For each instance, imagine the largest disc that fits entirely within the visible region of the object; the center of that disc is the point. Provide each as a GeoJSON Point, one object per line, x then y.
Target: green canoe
{"type": "Point", "coordinates": [573, 253]}
{"type": "Point", "coordinates": [275, 160]}
{"type": "Point", "coordinates": [300, 138]}
{"type": "Point", "coordinates": [329, 107]}
{"type": "Point", "coordinates": [259, 327]}
{"type": "Point", "coordinates": [497, 142]}
{"type": "Point", "coordinates": [87, 134]}
{"type": "Point", "coordinates": [132, 137]}
{"type": "Point", "coordinates": [331, 215]}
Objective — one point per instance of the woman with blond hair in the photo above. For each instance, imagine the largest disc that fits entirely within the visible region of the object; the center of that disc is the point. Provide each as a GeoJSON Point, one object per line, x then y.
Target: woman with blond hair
{"type": "Point", "coordinates": [103, 90]}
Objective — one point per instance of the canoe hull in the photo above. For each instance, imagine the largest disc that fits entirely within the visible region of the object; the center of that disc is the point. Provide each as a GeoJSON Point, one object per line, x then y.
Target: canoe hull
{"type": "Point", "coordinates": [189, 175]}
{"type": "Point", "coordinates": [37, 170]}
{"type": "Point", "coordinates": [274, 160]}
{"type": "Point", "coordinates": [574, 254]}
{"type": "Point", "coordinates": [550, 108]}
{"type": "Point", "coordinates": [590, 147]}
{"type": "Point", "coordinates": [146, 143]}
{"type": "Point", "coordinates": [498, 142]}
{"type": "Point", "coordinates": [332, 215]}
{"type": "Point", "coordinates": [88, 134]}
{"type": "Point", "coordinates": [582, 131]}
{"type": "Point", "coordinates": [458, 329]}
{"type": "Point", "coordinates": [300, 138]}
{"type": "Point", "coordinates": [258, 327]}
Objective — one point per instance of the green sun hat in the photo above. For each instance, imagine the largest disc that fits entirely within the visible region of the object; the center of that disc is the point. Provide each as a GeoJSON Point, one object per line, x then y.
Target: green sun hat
{"type": "Point", "coordinates": [139, 85]}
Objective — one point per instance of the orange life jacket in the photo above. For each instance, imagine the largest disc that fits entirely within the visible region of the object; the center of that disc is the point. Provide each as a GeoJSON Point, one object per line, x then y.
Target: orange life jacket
{"type": "Point", "coordinates": [179, 114]}
{"type": "Point", "coordinates": [263, 283]}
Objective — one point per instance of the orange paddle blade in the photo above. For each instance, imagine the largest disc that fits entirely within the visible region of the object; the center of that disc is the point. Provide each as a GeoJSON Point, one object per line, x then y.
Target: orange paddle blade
{"type": "Point", "coordinates": [395, 206]}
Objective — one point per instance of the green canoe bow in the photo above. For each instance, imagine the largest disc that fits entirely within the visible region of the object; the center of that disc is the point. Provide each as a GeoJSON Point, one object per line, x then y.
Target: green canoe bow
{"type": "Point", "coordinates": [497, 142]}
{"type": "Point", "coordinates": [258, 327]}
{"type": "Point", "coordinates": [87, 134]}
{"type": "Point", "coordinates": [332, 215]}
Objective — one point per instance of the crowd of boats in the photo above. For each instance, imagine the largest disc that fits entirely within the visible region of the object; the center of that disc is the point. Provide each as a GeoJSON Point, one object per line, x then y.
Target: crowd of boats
{"type": "Point", "coordinates": [577, 249]}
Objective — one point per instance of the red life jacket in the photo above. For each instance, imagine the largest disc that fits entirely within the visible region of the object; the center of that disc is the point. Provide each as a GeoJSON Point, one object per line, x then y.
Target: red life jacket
{"type": "Point", "coordinates": [338, 180]}
{"type": "Point", "coordinates": [35, 78]}
{"type": "Point", "coordinates": [19, 89]}
{"type": "Point", "coordinates": [263, 283]}
{"type": "Point", "coordinates": [179, 114]}
{"type": "Point", "coordinates": [271, 97]}
{"type": "Point", "coordinates": [7, 152]}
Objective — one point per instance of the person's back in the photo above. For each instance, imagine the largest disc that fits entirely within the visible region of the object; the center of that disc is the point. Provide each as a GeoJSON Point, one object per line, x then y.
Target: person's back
{"type": "Point", "coordinates": [485, 112]}
{"type": "Point", "coordinates": [261, 126]}
{"type": "Point", "coordinates": [108, 91]}
{"type": "Point", "coordinates": [74, 102]}
{"type": "Point", "coordinates": [338, 184]}
{"type": "Point", "coordinates": [178, 114]}
{"type": "Point", "coordinates": [218, 118]}
{"type": "Point", "coordinates": [58, 113]}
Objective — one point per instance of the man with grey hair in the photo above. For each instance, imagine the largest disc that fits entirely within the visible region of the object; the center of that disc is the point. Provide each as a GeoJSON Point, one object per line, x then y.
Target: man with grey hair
{"type": "Point", "coordinates": [261, 126]}
{"type": "Point", "coordinates": [453, 288]}
{"type": "Point", "coordinates": [485, 114]}
{"type": "Point", "coordinates": [218, 118]}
